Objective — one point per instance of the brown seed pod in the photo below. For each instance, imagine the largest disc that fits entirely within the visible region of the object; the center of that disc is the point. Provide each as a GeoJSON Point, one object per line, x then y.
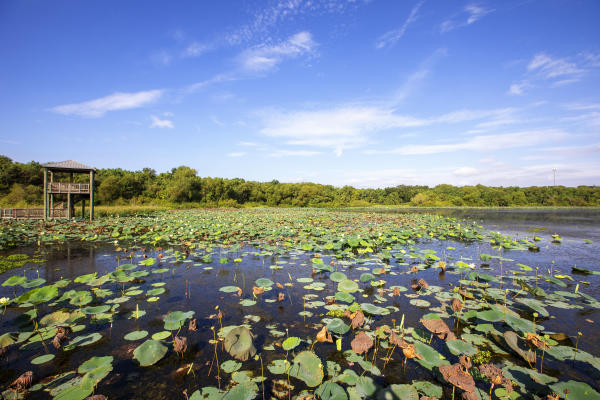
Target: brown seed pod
{"type": "Point", "coordinates": [456, 305]}
{"type": "Point", "coordinates": [465, 361]}
{"type": "Point", "coordinates": [193, 325]}
{"type": "Point", "coordinates": [180, 344]}
{"type": "Point", "coordinates": [23, 382]}
{"type": "Point", "coordinates": [96, 397]}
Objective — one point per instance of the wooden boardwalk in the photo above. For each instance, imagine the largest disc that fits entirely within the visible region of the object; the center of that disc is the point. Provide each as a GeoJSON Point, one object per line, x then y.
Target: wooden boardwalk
{"type": "Point", "coordinates": [31, 213]}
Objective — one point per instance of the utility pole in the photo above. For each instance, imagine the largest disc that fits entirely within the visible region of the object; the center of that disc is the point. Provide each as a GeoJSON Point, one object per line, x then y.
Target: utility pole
{"type": "Point", "coordinates": [554, 171]}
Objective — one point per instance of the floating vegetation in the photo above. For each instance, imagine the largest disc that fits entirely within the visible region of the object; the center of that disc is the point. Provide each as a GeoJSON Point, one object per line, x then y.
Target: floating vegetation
{"type": "Point", "coordinates": [294, 304]}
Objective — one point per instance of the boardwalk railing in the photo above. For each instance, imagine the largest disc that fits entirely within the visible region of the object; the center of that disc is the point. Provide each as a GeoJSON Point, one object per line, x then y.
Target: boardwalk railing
{"type": "Point", "coordinates": [68, 187]}
{"type": "Point", "coordinates": [32, 213]}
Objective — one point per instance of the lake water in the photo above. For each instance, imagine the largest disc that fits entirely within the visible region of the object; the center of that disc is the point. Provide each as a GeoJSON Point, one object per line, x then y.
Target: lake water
{"type": "Point", "coordinates": [130, 381]}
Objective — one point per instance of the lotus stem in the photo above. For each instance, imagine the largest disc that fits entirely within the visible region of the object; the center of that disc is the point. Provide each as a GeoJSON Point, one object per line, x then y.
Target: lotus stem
{"type": "Point", "coordinates": [576, 344]}
{"type": "Point", "coordinates": [389, 355]}
{"type": "Point", "coordinates": [262, 375]}
{"type": "Point", "coordinates": [217, 357]}
{"type": "Point", "coordinates": [453, 388]}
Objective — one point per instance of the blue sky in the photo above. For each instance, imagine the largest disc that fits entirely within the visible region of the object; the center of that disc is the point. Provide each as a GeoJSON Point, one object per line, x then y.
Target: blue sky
{"type": "Point", "coordinates": [366, 93]}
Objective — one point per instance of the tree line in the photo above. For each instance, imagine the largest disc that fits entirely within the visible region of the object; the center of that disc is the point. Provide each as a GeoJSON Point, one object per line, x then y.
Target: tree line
{"type": "Point", "coordinates": [21, 185]}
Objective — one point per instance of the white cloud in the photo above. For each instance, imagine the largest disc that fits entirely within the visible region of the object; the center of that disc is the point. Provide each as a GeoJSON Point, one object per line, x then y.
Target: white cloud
{"type": "Point", "coordinates": [519, 88]}
{"type": "Point", "coordinates": [338, 128]}
{"type": "Point", "coordinates": [482, 143]}
{"type": "Point", "coordinates": [160, 123]}
{"type": "Point", "coordinates": [113, 102]}
{"type": "Point", "coordinates": [293, 153]}
{"type": "Point", "coordinates": [550, 67]}
{"type": "Point", "coordinates": [465, 171]}
{"type": "Point", "coordinates": [391, 37]}
{"type": "Point", "coordinates": [476, 13]}
{"type": "Point", "coordinates": [236, 154]}
{"type": "Point", "coordinates": [284, 12]}
{"type": "Point", "coordinates": [219, 78]}
{"type": "Point", "coordinates": [469, 15]}
{"type": "Point", "coordinates": [195, 49]}
{"type": "Point", "coordinates": [265, 57]}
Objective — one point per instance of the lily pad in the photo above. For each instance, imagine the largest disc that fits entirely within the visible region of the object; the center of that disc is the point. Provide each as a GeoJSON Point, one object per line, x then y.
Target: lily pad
{"type": "Point", "coordinates": [136, 335]}
{"type": "Point", "coordinates": [238, 343]}
{"type": "Point", "coordinates": [347, 286]}
{"type": "Point", "coordinates": [307, 367]}
{"type": "Point", "coordinates": [149, 352]}
{"type": "Point", "coordinates": [43, 359]}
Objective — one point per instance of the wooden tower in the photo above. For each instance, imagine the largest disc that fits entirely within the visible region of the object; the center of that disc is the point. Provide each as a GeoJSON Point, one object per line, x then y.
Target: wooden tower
{"type": "Point", "coordinates": [73, 191]}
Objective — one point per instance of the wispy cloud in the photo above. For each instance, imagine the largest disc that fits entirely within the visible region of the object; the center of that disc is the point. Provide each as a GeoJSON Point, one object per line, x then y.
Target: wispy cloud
{"type": "Point", "coordinates": [391, 37]}
{"type": "Point", "coordinates": [284, 12]}
{"type": "Point", "coordinates": [236, 154]}
{"type": "Point", "coordinates": [278, 153]}
{"type": "Point", "coordinates": [219, 78]}
{"type": "Point", "coordinates": [546, 70]}
{"type": "Point", "coordinates": [549, 67]}
{"type": "Point", "coordinates": [481, 143]}
{"type": "Point", "coordinates": [519, 88]}
{"type": "Point", "coordinates": [195, 49]}
{"type": "Point", "coordinates": [113, 102]}
{"type": "Point", "coordinates": [160, 123]}
{"type": "Point", "coordinates": [469, 15]}
{"type": "Point", "coordinates": [338, 128]}
{"type": "Point", "coordinates": [265, 57]}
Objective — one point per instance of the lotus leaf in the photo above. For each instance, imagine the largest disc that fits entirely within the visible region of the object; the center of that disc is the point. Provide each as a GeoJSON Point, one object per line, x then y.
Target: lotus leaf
{"type": "Point", "coordinates": [238, 343]}
{"type": "Point", "coordinates": [398, 392]}
{"type": "Point", "coordinates": [278, 366]}
{"type": "Point", "coordinates": [43, 359]}
{"type": "Point", "coordinates": [149, 352]}
{"type": "Point", "coordinates": [458, 347]}
{"type": "Point", "coordinates": [230, 366]}
{"type": "Point", "coordinates": [264, 282]}
{"type": "Point", "coordinates": [15, 280]}
{"type": "Point", "coordinates": [347, 286]}
{"type": "Point", "coordinates": [81, 298]}
{"type": "Point", "coordinates": [330, 390]}
{"type": "Point", "coordinates": [229, 289]}
{"type": "Point", "coordinates": [577, 390]}
{"type": "Point", "coordinates": [290, 343]}
{"type": "Point", "coordinates": [373, 309]}
{"type": "Point", "coordinates": [176, 319]}
{"type": "Point", "coordinates": [337, 326]}
{"type": "Point", "coordinates": [39, 295]}
{"type": "Point", "coordinates": [33, 283]}
{"type": "Point", "coordinates": [95, 310]}
{"type": "Point", "coordinates": [136, 335]}
{"type": "Point", "coordinates": [83, 340]}
{"type": "Point", "coordinates": [243, 391]}
{"type": "Point", "coordinates": [307, 367]}
{"type": "Point", "coordinates": [512, 340]}
{"type": "Point", "coordinates": [428, 389]}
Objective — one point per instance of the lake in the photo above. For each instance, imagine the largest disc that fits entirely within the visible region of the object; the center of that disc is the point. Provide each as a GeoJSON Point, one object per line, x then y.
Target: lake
{"type": "Point", "coordinates": [304, 264]}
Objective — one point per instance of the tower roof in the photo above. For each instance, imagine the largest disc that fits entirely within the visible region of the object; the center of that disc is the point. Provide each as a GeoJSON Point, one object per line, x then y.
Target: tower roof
{"type": "Point", "coordinates": [68, 166]}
